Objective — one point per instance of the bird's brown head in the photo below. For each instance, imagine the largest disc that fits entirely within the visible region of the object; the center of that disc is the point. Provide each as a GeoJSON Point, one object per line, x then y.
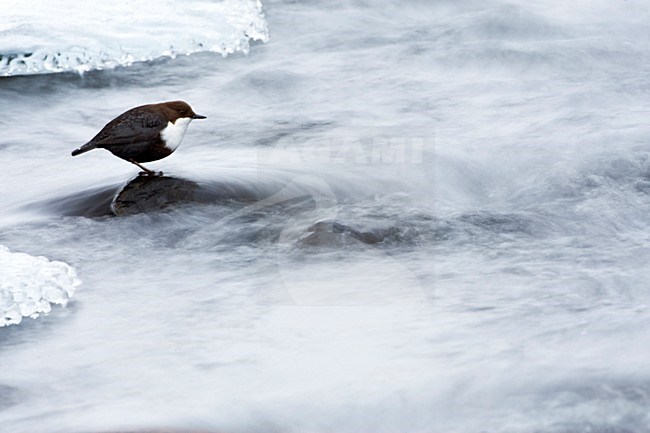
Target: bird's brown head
{"type": "Point", "coordinates": [177, 109]}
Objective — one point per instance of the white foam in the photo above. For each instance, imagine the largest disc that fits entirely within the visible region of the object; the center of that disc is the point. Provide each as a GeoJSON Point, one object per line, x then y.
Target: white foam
{"type": "Point", "coordinates": [29, 285]}
{"type": "Point", "coordinates": [67, 35]}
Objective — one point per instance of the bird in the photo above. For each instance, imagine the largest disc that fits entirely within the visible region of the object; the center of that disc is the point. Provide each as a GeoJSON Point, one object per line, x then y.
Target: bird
{"type": "Point", "coordinates": [145, 133]}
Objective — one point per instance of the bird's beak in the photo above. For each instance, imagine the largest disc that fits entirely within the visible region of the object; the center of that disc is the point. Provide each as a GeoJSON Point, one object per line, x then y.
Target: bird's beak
{"type": "Point", "coordinates": [198, 116]}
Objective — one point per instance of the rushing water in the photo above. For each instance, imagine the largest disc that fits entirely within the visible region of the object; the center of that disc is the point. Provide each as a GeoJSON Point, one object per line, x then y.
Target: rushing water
{"type": "Point", "coordinates": [437, 221]}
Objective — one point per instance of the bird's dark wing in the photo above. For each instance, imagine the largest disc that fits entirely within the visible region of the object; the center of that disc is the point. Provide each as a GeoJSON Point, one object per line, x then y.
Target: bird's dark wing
{"type": "Point", "coordinates": [130, 127]}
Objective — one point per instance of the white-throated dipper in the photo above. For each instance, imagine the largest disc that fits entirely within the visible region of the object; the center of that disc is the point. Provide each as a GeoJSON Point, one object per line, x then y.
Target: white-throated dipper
{"type": "Point", "coordinates": [143, 134]}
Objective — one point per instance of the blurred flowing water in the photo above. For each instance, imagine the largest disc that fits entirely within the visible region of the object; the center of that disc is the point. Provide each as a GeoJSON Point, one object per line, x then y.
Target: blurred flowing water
{"type": "Point", "coordinates": [443, 224]}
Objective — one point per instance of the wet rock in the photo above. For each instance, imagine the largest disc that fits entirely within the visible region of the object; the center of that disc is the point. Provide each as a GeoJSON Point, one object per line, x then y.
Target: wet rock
{"type": "Point", "coordinates": [90, 203]}
{"type": "Point", "coordinates": [156, 193]}
{"type": "Point", "coordinates": [334, 233]}
{"type": "Point", "coordinates": [497, 223]}
{"type": "Point", "coordinates": [152, 193]}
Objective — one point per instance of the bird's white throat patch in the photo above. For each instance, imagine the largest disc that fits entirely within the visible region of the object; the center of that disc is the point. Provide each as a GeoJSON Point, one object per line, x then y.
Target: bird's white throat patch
{"type": "Point", "coordinates": [174, 132]}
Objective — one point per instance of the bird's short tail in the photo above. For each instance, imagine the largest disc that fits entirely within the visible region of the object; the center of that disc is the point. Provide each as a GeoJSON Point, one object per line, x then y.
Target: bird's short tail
{"type": "Point", "coordinates": [85, 148]}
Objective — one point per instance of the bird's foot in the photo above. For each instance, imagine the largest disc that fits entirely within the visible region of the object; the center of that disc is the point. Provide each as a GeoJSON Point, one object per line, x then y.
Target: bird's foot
{"type": "Point", "coordinates": [146, 171]}
{"type": "Point", "coordinates": [150, 173]}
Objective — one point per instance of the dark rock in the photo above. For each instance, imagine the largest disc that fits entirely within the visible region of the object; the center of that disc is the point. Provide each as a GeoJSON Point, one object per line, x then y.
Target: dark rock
{"type": "Point", "coordinates": [334, 233]}
{"type": "Point", "coordinates": [152, 193]}
{"type": "Point", "coordinates": [155, 193]}
{"type": "Point", "coordinates": [90, 203]}
{"type": "Point", "coordinates": [497, 223]}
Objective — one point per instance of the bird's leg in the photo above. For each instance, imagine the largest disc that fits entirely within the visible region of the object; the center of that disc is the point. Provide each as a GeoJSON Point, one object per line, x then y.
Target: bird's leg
{"type": "Point", "coordinates": [146, 170]}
